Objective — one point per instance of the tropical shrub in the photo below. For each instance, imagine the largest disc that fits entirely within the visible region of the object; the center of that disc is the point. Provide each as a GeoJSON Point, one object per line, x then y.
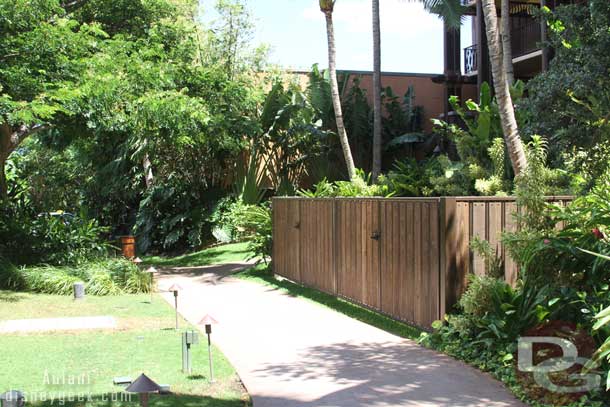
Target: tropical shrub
{"type": "Point", "coordinates": [569, 102]}
{"type": "Point", "coordinates": [101, 277]}
{"type": "Point", "coordinates": [544, 251]}
{"type": "Point", "coordinates": [360, 187]}
{"type": "Point", "coordinates": [172, 217]}
{"type": "Point", "coordinates": [435, 176]}
{"type": "Point", "coordinates": [479, 296]}
{"type": "Point", "coordinates": [56, 238]}
{"type": "Point", "coordinates": [254, 225]}
{"type": "Point", "coordinates": [602, 324]}
{"type": "Point", "coordinates": [494, 265]}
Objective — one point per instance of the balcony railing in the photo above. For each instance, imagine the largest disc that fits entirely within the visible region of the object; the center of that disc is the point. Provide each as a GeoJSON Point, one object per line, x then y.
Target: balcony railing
{"type": "Point", "coordinates": [524, 39]}
{"type": "Point", "coordinates": [470, 59]}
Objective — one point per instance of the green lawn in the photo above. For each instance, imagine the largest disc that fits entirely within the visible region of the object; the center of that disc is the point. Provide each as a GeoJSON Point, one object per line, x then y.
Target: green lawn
{"type": "Point", "coordinates": [213, 255]}
{"type": "Point", "coordinates": [144, 343]}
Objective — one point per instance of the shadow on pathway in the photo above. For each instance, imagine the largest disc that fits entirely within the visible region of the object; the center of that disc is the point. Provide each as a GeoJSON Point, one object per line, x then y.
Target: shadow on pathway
{"type": "Point", "coordinates": [291, 352]}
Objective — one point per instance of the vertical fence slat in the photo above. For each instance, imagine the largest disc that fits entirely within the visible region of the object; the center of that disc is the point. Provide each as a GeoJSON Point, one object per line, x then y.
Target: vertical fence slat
{"type": "Point", "coordinates": [418, 267]}
{"type": "Point", "coordinates": [479, 229]}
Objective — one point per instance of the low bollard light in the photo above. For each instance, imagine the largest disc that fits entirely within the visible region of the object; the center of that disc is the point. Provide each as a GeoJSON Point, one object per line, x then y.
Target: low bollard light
{"type": "Point", "coordinates": [79, 290]}
{"type": "Point", "coordinates": [12, 398]}
{"type": "Point", "coordinates": [208, 321]}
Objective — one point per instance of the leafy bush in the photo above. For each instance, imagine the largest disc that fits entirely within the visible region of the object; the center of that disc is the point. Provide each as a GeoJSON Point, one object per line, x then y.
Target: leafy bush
{"type": "Point", "coordinates": [49, 279]}
{"type": "Point", "coordinates": [603, 353]}
{"type": "Point", "coordinates": [10, 277]}
{"type": "Point", "coordinates": [494, 265]}
{"type": "Point", "coordinates": [57, 238]}
{"type": "Point", "coordinates": [359, 187]}
{"type": "Point", "coordinates": [172, 217]}
{"type": "Point", "coordinates": [435, 176]}
{"type": "Point", "coordinates": [479, 296]}
{"type": "Point", "coordinates": [254, 225]}
{"type": "Point", "coordinates": [569, 102]}
{"type": "Point", "coordinates": [545, 252]}
{"type": "Point", "coordinates": [101, 277]}
{"type": "Point", "coordinates": [223, 227]}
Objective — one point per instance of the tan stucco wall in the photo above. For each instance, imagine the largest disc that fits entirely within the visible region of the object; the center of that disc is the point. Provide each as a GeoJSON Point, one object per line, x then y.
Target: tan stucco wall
{"type": "Point", "coordinates": [428, 94]}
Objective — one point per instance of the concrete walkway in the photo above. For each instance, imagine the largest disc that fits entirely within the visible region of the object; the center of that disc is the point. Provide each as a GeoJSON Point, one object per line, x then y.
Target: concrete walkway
{"type": "Point", "coordinates": [291, 352]}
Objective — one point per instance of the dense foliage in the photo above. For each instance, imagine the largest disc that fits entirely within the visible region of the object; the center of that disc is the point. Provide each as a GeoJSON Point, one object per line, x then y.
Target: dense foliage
{"type": "Point", "coordinates": [569, 103]}
{"type": "Point", "coordinates": [564, 274]}
{"type": "Point", "coordinates": [101, 277]}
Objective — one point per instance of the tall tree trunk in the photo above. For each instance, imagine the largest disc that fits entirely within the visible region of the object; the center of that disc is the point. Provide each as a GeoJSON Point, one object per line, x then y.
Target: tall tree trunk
{"type": "Point", "coordinates": [3, 183]}
{"type": "Point", "coordinates": [5, 150]}
{"type": "Point", "coordinates": [377, 141]}
{"type": "Point", "coordinates": [507, 51]}
{"type": "Point", "coordinates": [334, 87]}
{"type": "Point", "coordinates": [505, 103]}
{"type": "Point", "coordinates": [148, 172]}
{"type": "Point", "coordinates": [10, 139]}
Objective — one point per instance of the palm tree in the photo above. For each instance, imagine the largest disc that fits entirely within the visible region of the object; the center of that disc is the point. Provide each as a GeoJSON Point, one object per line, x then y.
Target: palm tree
{"type": "Point", "coordinates": [327, 7]}
{"type": "Point", "coordinates": [452, 12]}
{"type": "Point", "coordinates": [510, 129]}
{"type": "Point", "coordinates": [377, 142]}
{"type": "Point", "coordinates": [506, 40]}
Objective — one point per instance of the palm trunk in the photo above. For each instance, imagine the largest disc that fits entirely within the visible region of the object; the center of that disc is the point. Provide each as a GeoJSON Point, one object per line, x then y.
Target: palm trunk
{"type": "Point", "coordinates": [506, 42]}
{"type": "Point", "coordinates": [505, 103]}
{"type": "Point", "coordinates": [3, 183]}
{"type": "Point", "coordinates": [5, 150]}
{"type": "Point", "coordinates": [334, 87]}
{"type": "Point", "coordinates": [377, 142]}
{"type": "Point", "coordinates": [148, 172]}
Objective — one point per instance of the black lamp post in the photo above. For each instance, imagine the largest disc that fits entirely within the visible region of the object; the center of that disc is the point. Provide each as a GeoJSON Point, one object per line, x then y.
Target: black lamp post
{"type": "Point", "coordinates": [175, 288]}
{"type": "Point", "coordinates": [208, 321]}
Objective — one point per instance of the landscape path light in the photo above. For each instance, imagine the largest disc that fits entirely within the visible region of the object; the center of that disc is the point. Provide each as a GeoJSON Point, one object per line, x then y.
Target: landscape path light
{"type": "Point", "coordinates": [143, 385]}
{"type": "Point", "coordinates": [151, 271]}
{"type": "Point", "coordinates": [175, 288]}
{"type": "Point", "coordinates": [208, 321]}
{"type": "Point", "coordinates": [12, 398]}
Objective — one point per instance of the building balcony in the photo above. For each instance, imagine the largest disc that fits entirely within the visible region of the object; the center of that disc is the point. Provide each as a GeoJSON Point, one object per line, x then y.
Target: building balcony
{"type": "Point", "coordinates": [525, 41]}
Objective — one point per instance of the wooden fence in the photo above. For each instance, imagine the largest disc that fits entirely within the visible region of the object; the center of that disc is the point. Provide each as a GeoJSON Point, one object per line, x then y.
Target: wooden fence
{"type": "Point", "coordinates": [405, 257]}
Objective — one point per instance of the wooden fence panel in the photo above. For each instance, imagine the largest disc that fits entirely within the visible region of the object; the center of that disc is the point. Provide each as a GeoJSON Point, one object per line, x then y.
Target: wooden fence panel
{"type": "Point", "coordinates": [349, 244]}
{"type": "Point", "coordinates": [479, 226]}
{"type": "Point", "coordinates": [407, 257]}
{"type": "Point", "coordinates": [317, 244]}
{"type": "Point", "coordinates": [394, 284]}
{"type": "Point", "coordinates": [286, 242]}
{"type": "Point", "coordinates": [410, 269]}
{"type": "Point", "coordinates": [358, 263]}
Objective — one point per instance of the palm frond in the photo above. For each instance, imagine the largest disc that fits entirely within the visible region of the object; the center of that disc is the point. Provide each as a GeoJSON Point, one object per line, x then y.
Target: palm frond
{"type": "Point", "coordinates": [451, 11]}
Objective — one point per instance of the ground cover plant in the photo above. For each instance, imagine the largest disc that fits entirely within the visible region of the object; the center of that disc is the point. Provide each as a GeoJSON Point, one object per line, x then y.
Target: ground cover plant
{"type": "Point", "coordinates": [563, 290]}
{"type": "Point", "coordinates": [144, 342]}
{"type": "Point", "coordinates": [101, 277]}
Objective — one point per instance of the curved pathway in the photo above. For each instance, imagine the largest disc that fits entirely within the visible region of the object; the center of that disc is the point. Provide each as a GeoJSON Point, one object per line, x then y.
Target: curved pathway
{"type": "Point", "coordinates": [292, 352]}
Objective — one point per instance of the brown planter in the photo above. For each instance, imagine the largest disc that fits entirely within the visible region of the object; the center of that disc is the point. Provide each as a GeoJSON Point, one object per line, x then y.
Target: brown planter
{"type": "Point", "coordinates": [128, 246]}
